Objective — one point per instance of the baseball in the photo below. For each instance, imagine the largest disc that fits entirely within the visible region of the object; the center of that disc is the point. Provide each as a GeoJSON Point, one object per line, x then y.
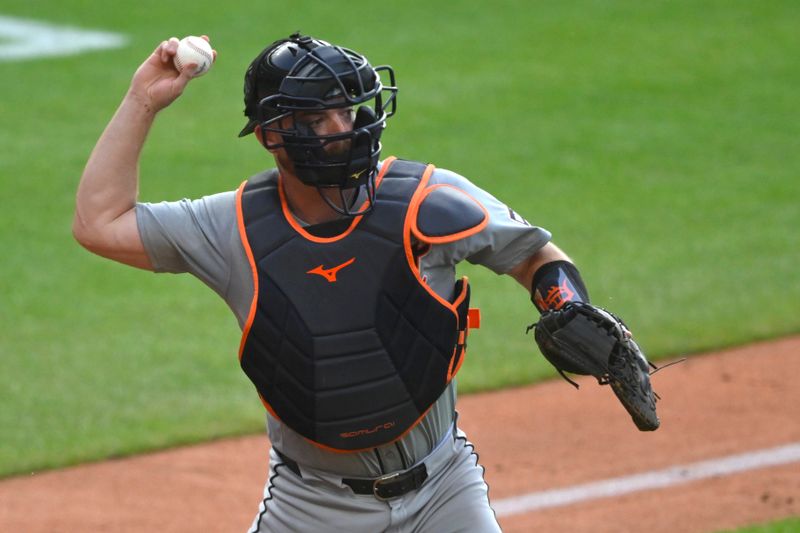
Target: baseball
{"type": "Point", "coordinates": [196, 50]}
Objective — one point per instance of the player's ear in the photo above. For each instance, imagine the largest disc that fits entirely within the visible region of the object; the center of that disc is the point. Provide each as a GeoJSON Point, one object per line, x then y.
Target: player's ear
{"type": "Point", "coordinates": [259, 133]}
{"type": "Point", "coordinates": [270, 139]}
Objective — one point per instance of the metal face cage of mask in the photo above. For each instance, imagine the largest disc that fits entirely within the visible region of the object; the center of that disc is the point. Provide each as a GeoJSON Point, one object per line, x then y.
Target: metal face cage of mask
{"type": "Point", "coordinates": [333, 78]}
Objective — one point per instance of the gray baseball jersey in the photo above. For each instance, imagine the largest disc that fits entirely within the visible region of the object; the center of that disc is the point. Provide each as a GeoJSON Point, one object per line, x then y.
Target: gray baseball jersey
{"type": "Point", "coordinates": [201, 237]}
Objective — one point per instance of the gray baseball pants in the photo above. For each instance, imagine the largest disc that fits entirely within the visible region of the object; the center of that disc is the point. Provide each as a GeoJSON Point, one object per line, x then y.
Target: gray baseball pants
{"type": "Point", "coordinates": [454, 498]}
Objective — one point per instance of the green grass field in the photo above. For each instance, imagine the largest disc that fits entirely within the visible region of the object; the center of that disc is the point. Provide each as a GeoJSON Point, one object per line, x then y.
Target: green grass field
{"type": "Point", "coordinates": [658, 141]}
{"type": "Point", "coordinates": [790, 525]}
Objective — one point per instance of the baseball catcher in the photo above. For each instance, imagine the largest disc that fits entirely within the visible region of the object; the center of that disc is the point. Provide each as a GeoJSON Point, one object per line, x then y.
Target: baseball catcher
{"type": "Point", "coordinates": [340, 267]}
{"type": "Point", "coordinates": [580, 338]}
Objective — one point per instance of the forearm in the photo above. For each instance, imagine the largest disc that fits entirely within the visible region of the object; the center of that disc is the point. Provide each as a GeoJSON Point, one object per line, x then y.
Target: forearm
{"type": "Point", "coordinates": [551, 278]}
{"type": "Point", "coordinates": [110, 182]}
{"type": "Point", "coordinates": [525, 270]}
{"type": "Point", "coordinates": [105, 216]}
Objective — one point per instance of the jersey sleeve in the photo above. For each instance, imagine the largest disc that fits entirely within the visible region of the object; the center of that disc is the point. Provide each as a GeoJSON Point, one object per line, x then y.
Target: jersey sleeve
{"type": "Point", "coordinates": [194, 236]}
{"type": "Point", "coordinates": [506, 239]}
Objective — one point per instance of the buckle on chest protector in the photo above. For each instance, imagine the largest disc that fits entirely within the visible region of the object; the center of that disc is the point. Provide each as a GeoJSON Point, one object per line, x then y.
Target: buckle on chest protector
{"type": "Point", "coordinates": [399, 483]}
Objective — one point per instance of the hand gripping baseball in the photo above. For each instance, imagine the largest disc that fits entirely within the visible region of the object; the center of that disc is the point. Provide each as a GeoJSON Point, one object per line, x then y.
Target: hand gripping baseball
{"type": "Point", "coordinates": [583, 339]}
{"type": "Point", "coordinates": [157, 82]}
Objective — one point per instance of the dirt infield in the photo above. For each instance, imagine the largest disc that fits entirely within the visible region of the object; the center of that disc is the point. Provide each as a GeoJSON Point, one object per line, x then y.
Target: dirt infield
{"type": "Point", "coordinates": [530, 440]}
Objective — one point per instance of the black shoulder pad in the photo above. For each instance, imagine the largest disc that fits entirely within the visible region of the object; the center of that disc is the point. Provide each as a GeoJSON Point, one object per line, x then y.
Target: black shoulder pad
{"type": "Point", "coordinates": [446, 214]}
{"type": "Point", "coordinates": [266, 178]}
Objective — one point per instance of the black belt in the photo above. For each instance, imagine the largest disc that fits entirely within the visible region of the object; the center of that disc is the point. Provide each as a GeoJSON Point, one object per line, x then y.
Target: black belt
{"type": "Point", "coordinates": [384, 487]}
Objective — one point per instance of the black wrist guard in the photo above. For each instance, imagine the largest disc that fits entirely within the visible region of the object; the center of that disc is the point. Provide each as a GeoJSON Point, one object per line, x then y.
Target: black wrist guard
{"type": "Point", "coordinates": [555, 284]}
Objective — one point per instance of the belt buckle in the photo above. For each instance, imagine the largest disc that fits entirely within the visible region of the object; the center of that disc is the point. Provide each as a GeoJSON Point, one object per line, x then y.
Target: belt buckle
{"type": "Point", "coordinates": [376, 485]}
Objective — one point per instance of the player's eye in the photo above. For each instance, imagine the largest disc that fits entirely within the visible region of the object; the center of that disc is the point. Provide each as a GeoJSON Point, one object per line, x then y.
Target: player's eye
{"type": "Point", "coordinates": [312, 121]}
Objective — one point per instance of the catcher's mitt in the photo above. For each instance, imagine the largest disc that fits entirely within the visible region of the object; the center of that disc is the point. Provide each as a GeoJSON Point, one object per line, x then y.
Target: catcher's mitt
{"type": "Point", "coordinates": [583, 339]}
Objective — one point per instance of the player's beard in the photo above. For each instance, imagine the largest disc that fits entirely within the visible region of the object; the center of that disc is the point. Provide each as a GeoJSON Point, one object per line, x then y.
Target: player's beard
{"type": "Point", "coordinates": [285, 163]}
{"type": "Point", "coordinates": [287, 169]}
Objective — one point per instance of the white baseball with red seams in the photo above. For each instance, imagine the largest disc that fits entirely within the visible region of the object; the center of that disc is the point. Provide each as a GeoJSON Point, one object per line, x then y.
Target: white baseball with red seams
{"type": "Point", "coordinates": [195, 50]}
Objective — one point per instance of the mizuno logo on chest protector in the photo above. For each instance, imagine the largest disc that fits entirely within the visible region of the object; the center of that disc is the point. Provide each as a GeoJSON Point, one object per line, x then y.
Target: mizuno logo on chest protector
{"type": "Point", "coordinates": [330, 273]}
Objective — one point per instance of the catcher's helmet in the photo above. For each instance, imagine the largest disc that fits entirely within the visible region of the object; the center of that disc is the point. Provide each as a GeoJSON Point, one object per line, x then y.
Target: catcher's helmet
{"type": "Point", "coordinates": [300, 75]}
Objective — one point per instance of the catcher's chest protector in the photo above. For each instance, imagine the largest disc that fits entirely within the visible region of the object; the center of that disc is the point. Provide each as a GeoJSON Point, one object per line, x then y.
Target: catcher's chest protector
{"type": "Point", "coordinates": [345, 343]}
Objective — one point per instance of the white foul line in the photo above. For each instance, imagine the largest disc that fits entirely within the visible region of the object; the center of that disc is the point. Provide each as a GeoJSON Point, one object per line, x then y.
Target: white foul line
{"type": "Point", "coordinates": [668, 477]}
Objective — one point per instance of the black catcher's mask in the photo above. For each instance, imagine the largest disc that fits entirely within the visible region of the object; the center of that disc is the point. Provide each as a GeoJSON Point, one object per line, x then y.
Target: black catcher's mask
{"type": "Point", "coordinates": [320, 77]}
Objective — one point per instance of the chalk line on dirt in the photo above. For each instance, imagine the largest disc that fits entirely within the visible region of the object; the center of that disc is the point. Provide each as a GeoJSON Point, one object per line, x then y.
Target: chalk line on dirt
{"type": "Point", "coordinates": [655, 479]}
